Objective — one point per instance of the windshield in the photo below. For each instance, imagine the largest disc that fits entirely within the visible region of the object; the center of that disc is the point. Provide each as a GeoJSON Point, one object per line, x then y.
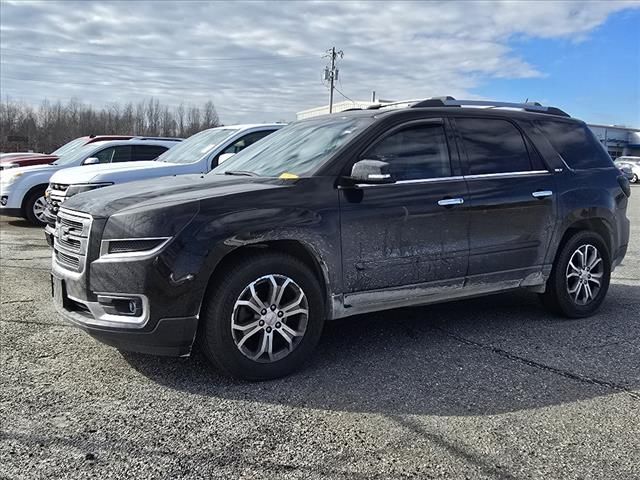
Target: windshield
{"type": "Point", "coordinates": [196, 146]}
{"type": "Point", "coordinates": [295, 149]}
{"type": "Point", "coordinates": [74, 157]}
{"type": "Point", "coordinates": [69, 146]}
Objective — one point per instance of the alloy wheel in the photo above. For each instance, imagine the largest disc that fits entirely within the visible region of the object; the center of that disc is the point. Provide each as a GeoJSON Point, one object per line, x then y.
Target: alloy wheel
{"type": "Point", "coordinates": [39, 207]}
{"type": "Point", "coordinates": [269, 318]}
{"type": "Point", "coordinates": [584, 274]}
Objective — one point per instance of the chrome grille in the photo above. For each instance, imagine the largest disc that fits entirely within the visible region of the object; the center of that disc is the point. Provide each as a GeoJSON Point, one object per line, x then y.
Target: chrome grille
{"type": "Point", "coordinates": [57, 195]}
{"type": "Point", "coordinates": [71, 239]}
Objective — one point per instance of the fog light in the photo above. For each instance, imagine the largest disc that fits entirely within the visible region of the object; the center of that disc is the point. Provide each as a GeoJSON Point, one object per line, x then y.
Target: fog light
{"type": "Point", "coordinates": [127, 306]}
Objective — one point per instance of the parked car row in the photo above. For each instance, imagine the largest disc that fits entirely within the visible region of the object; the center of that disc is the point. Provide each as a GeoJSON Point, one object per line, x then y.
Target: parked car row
{"type": "Point", "coordinates": [334, 216]}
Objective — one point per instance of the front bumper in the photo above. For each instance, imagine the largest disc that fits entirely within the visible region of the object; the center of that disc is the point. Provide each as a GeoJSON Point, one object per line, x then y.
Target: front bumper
{"type": "Point", "coordinates": [169, 336]}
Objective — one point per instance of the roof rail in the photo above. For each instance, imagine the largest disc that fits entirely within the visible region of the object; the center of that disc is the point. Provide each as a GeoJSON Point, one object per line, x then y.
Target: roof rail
{"type": "Point", "coordinates": [167, 139]}
{"type": "Point", "coordinates": [452, 102]}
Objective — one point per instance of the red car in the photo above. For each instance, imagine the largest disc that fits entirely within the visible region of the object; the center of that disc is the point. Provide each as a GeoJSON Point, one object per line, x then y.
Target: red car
{"type": "Point", "coordinates": [26, 159]}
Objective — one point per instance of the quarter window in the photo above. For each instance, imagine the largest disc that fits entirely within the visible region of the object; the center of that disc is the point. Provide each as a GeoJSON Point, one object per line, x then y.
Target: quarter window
{"type": "Point", "coordinates": [493, 146]}
{"type": "Point", "coordinates": [414, 153]}
{"type": "Point", "coordinates": [576, 143]}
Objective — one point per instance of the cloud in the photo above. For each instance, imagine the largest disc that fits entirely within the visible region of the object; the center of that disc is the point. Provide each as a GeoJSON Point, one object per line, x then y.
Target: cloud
{"type": "Point", "coordinates": [263, 60]}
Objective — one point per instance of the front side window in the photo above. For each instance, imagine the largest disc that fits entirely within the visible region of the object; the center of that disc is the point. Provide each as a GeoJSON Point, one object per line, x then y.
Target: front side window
{"type": "Point", "coordinates": [493, 146]}
{"type": "Point", "coordinates": [247, 140]}
{"type": "Point", "coordinates": [413, 153]}
{"type": "Point", "coordinates": [121, 153]}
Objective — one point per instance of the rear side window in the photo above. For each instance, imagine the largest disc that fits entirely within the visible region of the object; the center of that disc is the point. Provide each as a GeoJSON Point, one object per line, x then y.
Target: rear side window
{"type": "Point", "coordinates": [147, 152]}
{"type": "Point", "coordinates": [414, 153]}
{"type": "Point", "coordinates": [576, 144]}
{"type": "Point", "coordinates": [493, 146]}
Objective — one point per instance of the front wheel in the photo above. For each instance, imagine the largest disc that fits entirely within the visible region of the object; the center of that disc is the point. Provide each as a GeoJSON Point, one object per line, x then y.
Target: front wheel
{"type": "Point", "coordinates": [580, 277]}
{"type": "Point", "coordinates": [34, 207]}
{"type": "Point", "coordinates": [634, 179]}
{"type": "Point", "coordinates": [264, 317]}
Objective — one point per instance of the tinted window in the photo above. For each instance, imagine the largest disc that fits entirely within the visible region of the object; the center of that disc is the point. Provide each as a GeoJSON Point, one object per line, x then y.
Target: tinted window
{"type": "Point", "coordinates": [414, 153]}
{"type": "Point", "coordinates": [114, 154]}
{"type": "Point", "coordinates": [493, 146]}
{"type": "Point", "coordinates": [576, 143]}
{"type": "Point", "coordinates": [147, 152]}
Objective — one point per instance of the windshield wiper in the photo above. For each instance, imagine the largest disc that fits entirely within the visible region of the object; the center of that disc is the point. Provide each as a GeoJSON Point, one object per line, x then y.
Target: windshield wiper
{"type": "Point", "coordinates": [241, 172]}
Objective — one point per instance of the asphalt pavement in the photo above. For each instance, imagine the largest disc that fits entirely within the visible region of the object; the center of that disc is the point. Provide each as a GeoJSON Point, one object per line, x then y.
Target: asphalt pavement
{"type": "Point", "coordinates": [486, 388]}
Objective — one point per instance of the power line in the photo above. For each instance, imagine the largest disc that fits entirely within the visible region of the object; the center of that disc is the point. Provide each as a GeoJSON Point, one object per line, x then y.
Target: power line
{"type": "Point", "coordinates": [348, 98]}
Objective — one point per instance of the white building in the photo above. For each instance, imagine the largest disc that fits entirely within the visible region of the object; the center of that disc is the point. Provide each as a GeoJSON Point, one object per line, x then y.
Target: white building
{"type": "Point", "coordinates": [617, 140]}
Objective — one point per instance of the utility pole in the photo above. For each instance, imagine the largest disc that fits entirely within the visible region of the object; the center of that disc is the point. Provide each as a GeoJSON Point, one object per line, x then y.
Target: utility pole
{"type": "Point", "coordinates": [331, 73]}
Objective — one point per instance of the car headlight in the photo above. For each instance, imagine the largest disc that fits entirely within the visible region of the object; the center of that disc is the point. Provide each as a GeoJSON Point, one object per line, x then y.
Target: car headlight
{"type": "Point", "coordinates": [9, 179]}
{"type": "Point", "coordinates": [86, 187]}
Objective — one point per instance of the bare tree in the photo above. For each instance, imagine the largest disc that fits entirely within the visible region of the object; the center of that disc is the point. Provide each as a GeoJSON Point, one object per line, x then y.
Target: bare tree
{"type": "Point", "coordinates": [51, 125]}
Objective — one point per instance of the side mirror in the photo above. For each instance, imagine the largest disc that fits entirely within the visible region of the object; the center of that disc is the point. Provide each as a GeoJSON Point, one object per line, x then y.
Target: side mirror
{"type": "Point", "coordinates": [371, 172]}
{"type": "Point", "coordinates": [224, 157]}
{"type": "Point", "coordinates": [91, 161]}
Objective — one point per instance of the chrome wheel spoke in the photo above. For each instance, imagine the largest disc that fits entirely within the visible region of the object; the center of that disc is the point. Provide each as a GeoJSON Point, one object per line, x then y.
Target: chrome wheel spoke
{"type": "Point", "coordinates": [258, 314]}
{"type": "Point", "coordinates": [244, 328]}
{"type": "Point", "coordinates": [584, 274]}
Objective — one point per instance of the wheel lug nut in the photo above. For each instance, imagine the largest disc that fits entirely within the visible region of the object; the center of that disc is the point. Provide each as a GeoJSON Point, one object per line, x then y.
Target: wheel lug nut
{"type": "Point", "coordinates": [280, 314]}
{"type": "Point", "coordinates": [278, 324]}
{"type": "Point", "coordinates": [261, 323]}
{"type": "Point", "coordinates": [264, 311]}
{"type": "Point", "coordinates": [273, 307]}
{"type": "Point", "coordinates": [268, 329]}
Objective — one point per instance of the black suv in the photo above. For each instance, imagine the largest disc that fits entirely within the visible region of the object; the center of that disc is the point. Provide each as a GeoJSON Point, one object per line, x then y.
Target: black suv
{"type": "Point", "coordinates": [340, 215]}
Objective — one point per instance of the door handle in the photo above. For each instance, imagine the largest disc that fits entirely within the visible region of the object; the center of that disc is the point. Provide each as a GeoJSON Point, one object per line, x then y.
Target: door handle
{"type": "Point", "coordinates": [542, 193]}
{"type": "Point", "coordinates": [448, 202]}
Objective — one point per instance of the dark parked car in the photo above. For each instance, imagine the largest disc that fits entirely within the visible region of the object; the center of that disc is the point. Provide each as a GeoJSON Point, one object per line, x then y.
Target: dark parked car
{"type": "Point", "coordinates": [340, 215]}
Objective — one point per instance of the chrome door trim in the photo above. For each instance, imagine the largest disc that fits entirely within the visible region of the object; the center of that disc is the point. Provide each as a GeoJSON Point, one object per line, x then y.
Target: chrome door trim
{"type": "Point", "coordinates": [527, 173]}
{"type": "Point", "coordinates": [457, 178]}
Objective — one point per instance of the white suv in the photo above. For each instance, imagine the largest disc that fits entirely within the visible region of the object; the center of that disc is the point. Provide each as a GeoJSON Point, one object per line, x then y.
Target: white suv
{"type": "Point", "coordinates": [22, 189]}
{"type": "Point", "coordinates": [198, 154]}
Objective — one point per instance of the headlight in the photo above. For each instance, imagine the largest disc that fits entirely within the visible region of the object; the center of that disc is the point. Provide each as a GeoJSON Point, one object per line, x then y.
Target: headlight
{"type": "Point", "coordinates": [87, 187]}
{"type": "Point", "coordinates": [9, 178]}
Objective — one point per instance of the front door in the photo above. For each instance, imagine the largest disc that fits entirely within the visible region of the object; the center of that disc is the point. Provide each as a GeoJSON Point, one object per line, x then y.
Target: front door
{"type": "Point", "coordinates": [413, 231]}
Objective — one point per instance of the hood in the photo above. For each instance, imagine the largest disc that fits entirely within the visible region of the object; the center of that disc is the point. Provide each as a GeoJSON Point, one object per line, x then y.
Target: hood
{"type": "Point", "coordinates": [117, 172]}
{"type": "Point", "coordinates": [31, 169]}
{"type": "Point", "coordinates": [153, 193]}
{"type": "Point", "coordinates": [24, 160]}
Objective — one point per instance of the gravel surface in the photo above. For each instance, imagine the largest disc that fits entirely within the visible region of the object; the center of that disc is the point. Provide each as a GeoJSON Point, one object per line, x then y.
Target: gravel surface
{"type": "Point", "coordinates": [485, 388]}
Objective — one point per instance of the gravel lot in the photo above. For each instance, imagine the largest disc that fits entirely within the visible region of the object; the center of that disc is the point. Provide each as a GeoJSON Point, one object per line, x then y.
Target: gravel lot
{"type": "Point", "coordinates": [486, 388]}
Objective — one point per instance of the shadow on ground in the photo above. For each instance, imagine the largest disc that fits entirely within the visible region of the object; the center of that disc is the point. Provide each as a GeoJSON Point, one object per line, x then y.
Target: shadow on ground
{"type": "Point", "coordinates": [476, 357]}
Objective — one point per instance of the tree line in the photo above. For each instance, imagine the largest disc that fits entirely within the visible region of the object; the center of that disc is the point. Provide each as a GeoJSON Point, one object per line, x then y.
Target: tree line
{"type": "Point", "coordinates": [52, 124]}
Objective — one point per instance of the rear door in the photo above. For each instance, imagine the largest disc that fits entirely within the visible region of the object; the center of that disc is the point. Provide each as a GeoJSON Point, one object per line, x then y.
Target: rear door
{"type": "Point", "coordinates": [511, 203]}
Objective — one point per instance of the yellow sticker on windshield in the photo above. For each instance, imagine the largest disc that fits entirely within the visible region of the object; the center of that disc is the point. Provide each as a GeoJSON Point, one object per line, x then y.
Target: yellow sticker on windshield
{"type": "Point", "coordinates": [288, 176]}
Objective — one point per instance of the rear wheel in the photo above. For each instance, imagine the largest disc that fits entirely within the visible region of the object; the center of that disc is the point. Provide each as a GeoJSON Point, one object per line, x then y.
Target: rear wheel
{"type": "Point", "coordinates": [34, 207]}
{"type": "Point", "coordinates": [264, 319]}
{"type": "Point", "coordinates": [580, 277]}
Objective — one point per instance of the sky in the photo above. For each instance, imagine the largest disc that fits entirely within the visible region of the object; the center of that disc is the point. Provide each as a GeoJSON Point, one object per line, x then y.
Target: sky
{"type": "Point", "coordinates": [263, 61]}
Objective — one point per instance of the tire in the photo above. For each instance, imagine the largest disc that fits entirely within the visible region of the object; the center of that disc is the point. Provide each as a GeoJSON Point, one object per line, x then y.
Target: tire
{"type": "Point", "coordinates": [224, 346]}
{"type": "Point", "coordinates": [566, 293]}
{"type": "Point", "coordinates": [634, 179]}
{"type": "Point", "coordinates": [33, 200]}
